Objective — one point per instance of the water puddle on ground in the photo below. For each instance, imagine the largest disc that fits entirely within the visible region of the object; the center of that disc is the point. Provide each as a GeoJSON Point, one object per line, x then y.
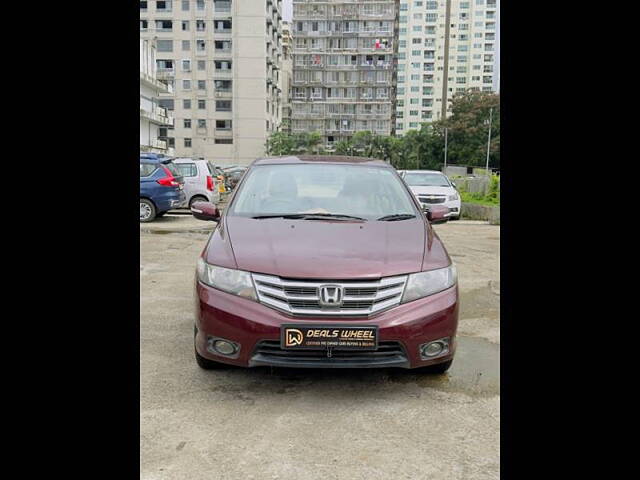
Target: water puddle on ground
{"type": "Point", "coordinates": [475, 370]}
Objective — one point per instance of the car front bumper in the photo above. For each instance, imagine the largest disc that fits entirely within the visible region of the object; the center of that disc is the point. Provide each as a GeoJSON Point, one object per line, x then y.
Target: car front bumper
{"type": "Point", "coordinates": [256, 329]}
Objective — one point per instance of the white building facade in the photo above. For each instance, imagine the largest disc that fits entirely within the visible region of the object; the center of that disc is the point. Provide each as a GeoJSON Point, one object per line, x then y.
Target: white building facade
{"type": "Point", "coordinates": [152, 116]}
{"type": "Point", "coordinates": [223, 58]}
{"type": "Point", "coordinates": [444, 47]}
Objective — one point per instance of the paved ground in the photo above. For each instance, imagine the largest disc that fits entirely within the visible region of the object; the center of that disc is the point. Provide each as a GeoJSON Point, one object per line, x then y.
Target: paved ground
{"type": "Point", "coordinates": [314, 424]}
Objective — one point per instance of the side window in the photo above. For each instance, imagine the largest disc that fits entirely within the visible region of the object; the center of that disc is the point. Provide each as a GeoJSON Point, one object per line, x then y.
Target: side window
{"type": "Point", "coordinates": [146, 169]}
{"type": "Point", "coordinates": [187, 169]}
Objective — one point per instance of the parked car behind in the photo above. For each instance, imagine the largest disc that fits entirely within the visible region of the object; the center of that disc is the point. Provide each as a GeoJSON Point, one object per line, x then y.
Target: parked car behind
{"type": "Point", "coordinates": [161, 186]}
{"type": "Point", "coordinates": [324, 261]}
{"type": "Point", "coordinates": [200, 182]}
{"type": "Point", "coordinates": [432, 187]}
{"type": "Point", "coordinates": [233, 175]}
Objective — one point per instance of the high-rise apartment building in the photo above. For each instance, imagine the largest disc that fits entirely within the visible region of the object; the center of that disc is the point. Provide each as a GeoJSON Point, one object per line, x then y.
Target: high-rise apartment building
{"type": "Point", "coordinates": [152, 116]}
{"type": "Point", "coordinates": [286, 76]}
{"type": "Point", "coordinates": [343, 69]}
{"type": "Point", "coordinates": [223, 58]}
{"type": "Point", "coordinates": [444, 47]}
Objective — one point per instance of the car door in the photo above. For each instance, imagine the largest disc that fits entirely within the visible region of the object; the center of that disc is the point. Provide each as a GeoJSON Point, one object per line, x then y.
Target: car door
{"type": "Point", "coordinates": [189, 172]}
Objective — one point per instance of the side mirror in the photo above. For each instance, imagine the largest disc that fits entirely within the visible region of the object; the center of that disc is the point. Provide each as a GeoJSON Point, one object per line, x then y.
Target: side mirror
{"type": "Point", "coordinates": [205, 211]}
{"type": "Point", "coordinates": [436, 213]}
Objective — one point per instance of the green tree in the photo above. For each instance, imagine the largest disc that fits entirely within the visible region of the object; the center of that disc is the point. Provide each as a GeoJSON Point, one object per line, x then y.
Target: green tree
{"type": "Point", "coordinates": [469, 128]}
{"type": "Point", "coordinates": [344, 147]}
{"type": "Point", "coordinates": [279, 143]}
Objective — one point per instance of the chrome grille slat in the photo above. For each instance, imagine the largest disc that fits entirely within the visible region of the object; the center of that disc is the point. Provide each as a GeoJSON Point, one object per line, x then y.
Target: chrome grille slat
{"type": "Point", "coordinates": [300, 297]}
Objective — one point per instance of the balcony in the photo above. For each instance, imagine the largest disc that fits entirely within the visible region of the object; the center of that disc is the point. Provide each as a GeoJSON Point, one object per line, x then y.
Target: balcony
{"type": "Point", "coordinates": [157, 143]}
{"type": "Point", "coordinates": [158, 116]}
{"type": "Point", "coordinates": [150, 81]}
{"type": "Point", "coordinates": [165, 73]}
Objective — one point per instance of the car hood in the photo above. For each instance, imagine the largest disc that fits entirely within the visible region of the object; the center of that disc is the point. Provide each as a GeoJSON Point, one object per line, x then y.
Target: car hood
{"type": "Point", "coordinates": [432, 190]}
{"type": "Point", "coordinates": [327, 249]}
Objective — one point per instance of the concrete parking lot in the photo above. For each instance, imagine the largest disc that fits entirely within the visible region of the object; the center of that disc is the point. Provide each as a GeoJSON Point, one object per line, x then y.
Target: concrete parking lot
{"type": "Point", "coordinates": [314, 424]}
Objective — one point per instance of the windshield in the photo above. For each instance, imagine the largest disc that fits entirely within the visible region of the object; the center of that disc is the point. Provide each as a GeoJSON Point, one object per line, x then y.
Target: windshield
{"type": "Point", "coordinates": [349, 190]}
{"type": "Point", "coordinates": [426, 180]}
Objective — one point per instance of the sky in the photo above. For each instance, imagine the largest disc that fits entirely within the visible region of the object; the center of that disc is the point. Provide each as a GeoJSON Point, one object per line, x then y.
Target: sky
{"type": "Point", "coordinates": [287, 10]}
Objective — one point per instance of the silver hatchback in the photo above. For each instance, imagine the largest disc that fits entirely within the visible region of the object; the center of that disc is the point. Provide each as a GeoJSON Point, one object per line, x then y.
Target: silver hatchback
{"type": "Point", "coordinates": [200, 182]}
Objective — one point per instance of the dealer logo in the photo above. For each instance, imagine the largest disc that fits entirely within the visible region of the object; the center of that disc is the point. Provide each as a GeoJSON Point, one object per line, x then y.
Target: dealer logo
{"type": "Point", "coordinates": [293, 337]}
{"type": "Point", "coordinates": [331, 295]}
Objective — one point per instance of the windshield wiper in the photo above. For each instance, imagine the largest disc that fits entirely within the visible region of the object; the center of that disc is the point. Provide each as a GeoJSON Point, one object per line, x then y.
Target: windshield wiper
{"type": "Point", "coordinates": [396, 217]}
{"type": "Point", "coordinates": [281, 215]}
{"type": "Point", "coordinates": [310, 216]}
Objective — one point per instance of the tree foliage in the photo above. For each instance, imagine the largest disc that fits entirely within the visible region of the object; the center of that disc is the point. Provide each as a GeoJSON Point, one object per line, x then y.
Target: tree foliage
{"type": "Point", "coordinates": [467, 127]}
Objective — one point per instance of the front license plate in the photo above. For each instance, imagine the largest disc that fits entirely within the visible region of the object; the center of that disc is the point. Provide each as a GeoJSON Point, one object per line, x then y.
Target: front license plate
{"type": "Point", "coordinates": [319, 337]}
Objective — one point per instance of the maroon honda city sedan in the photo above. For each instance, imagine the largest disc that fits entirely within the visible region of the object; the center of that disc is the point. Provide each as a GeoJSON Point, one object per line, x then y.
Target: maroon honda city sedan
{"type": "Point", "coordinates": [324, 262]}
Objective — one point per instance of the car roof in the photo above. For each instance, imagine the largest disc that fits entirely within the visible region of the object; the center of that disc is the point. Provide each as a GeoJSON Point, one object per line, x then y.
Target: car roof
{"type": "Point", "coordinates": [187, 160]}
{"type": "Point", "coordinates": [424, 171]}
{"type": "Point", "coordinates": [294, 159]}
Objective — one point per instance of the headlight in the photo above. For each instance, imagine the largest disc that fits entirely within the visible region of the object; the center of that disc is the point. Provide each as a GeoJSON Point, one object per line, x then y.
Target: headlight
{"type": "Point", "coordinates": [229, 280]}
{"type": "Point", "coordinates": [453, 197]}
{"type": "Point", "coordinates": [424, 284]}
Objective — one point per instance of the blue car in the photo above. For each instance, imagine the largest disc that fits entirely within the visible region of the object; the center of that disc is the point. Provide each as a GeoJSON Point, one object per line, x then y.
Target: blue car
{"type": "Point", "coordinates": [161, 186]}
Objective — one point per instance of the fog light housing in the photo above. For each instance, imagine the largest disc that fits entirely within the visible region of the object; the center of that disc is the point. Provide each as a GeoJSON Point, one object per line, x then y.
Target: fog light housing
{"type": "Point", "coordinates": [224, 347]}
{"type": "Point", "coordinates": [434, 349]}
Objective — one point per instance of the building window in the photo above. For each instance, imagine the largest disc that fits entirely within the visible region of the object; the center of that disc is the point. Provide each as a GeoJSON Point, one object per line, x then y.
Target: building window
{"type": "Point", "coordinates": [186, 84]}
{"type": "Point", "coordinates": [223, 105]}
{"type": "Point", "coordinates": [163, 6]}
{"type": "Point", "coordinates": [166, 103]}
{"type": "Point", "coordinates": [187, 123]}
{"type": "Point", "coordinates": [143, 5]}
{"type": "Point", "coordinates": [200, 45]}
{"type": "Point", "coordinates": [164, 25]}
{"type": "Point", "coordinates": [224, 141]}
{"type": "Point", "coordinates": [186, 65]}
{"type": "Point", "coordinates": [223, 85]}
{"type": "Point", "coordinates": [164, 45]}
{"type": "Point", "coordinates": [144, 24]}
{"type": "Point", "coordinates": [222, 26]}
{"type": "Point", "coordinates": [202, 84]}
{"type": "Point", "coordinates": [185, 25]}
{"type": "Point", "coordinates": [202, 64]}
{"type": "Point", "coordinates": [223, 124]}
{"type": "Point", "coordinates": [223, 65]}
{"type": "Point", "coordinates": [202, 104]}
{"type": "Point", "coordinates": [200, 25]}
{"type": "Point", "coordinates": [186, 104]}
{"type": "Point", "coordinates": [200, 5]}
{"type": "Point", "coordinates": [187, 143]}
{"type": "Point", "coordinates": [185, 5]}
{"type": "Point", "coordinates": [186, 45]}
{"type": "Point", "coordinates": [202, 123]}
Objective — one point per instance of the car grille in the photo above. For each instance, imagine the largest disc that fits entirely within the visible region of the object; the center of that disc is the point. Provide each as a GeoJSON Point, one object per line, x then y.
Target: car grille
{"type": "Point", "coordinates": [431, 199]}
{"type": "Point", "coordinates": [268, 352]}
{"type": "Point", "coordinates": [301, 297]}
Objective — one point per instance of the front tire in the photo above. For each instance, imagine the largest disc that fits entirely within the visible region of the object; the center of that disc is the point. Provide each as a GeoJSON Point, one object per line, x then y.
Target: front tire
{"type": "Point", "coordinates": [147, 210]}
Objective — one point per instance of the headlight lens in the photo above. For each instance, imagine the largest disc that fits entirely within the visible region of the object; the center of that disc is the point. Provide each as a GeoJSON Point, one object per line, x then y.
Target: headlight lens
{"type": "Point", "coordinates": [424, 284]}
{"type": "Point", "coordinates": [453, 197]}
{"type": "Point", "coordinates": [229, 280]}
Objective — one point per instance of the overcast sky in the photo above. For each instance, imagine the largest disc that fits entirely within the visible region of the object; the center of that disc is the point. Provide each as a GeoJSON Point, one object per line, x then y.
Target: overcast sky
{"type": "Point", "coordinates": [287, 10]}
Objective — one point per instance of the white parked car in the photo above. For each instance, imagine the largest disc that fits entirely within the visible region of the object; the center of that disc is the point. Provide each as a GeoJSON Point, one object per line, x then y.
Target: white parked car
{"type": "Point", "coordinates": [432, 187]}
{"type": "Point", "coordinates": [200, 180]}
